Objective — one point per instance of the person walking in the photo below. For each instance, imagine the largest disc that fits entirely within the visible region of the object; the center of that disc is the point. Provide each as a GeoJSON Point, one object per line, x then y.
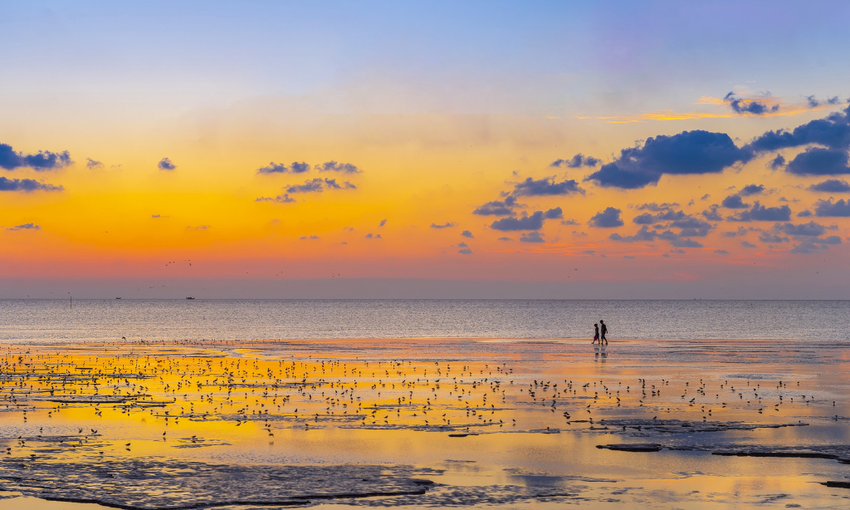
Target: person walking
{"type": "Point", "coordinates": [602, 339]}
{"type": "Point", "coordinates": [595, 334]}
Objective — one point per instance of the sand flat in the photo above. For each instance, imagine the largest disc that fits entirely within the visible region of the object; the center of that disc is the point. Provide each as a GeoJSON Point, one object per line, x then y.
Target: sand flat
{"type": "Point", "coordinates": [435, 422]}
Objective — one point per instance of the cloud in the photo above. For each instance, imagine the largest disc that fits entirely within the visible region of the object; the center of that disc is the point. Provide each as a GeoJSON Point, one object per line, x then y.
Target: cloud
{"type": "Point", "coordinates": [609, 218]}
{"type": "Point", "coordinates": [777, 162]}
{"type": "Point", "coordinates": [448, 224]}
{"type": "Point", "coordinates": [497, 208]}
{"type": "Point", "coordinates": [465, 251]}
{"type": "Point", "coordinates": [504, 239]}
{"type": "Point", "coordinates": [814, 103]}
{"type": "Point", "coordinates": [299, 168]}
{"type": "Point", "coordinates": [749, 106]}
{"type": "Point", "coordinates": [546, 186]}
{"type": "Point", "coordinates": [553, 214]}
{"type": "Point", "coordinates": [467, 233]}
{"type": "Point", "coordinates": [752, 189]}
{"type": "Point", "coordinates": [41, 161]}
{"type": "Point", "coordinates": [711, 214]}
{"type": "Point", "coordinates": [831, 186]}
{"type": "Point", "coordinates": [804, 229]}
{"type": "Point", "coordinates": [721, 252]}
{"type": "Point", "coordinates": [333, 166]}
{"type": "Point", "coordinates": [832, 132]}
{"type": "Point", "coordinates": [642, 235]}
{"type": "Point", "coordinates": [531, 237]}
{"type": "Point", "coordinates": [705, 197]}
{"type": "Point", "coordinates": [652, 206]}
{"type": "Point", "coordinates": [762, 213]}
{"type": "Point", "coordinates": [26, 185]}
{"type": "Point", "coordinates": [569, 222]}
{"type": "Point", "coordinates": [734, 202]}
{"type": "Point", "coordinates": [166, 164]}
{"type": "Point", "coordinates": [747, 244]}
{"type": "Point", "coordinates": [92, 164]}
{"type": "Point", "coordinates": [814, 245]}
{"type": "Point", "coordinates": [307, 238]}
{"type": "Point", "coordinates": [576, 161]}
{"type": "Point", "coordinates": [317, 185]}
{"type": "Point", "coordinates": [382, 223]}
{"type": "Point", "coordinates": [766, 237]}
{"type": "Point", "coordinates": [628, 256]}
{"type": "Point", "coordinates": [370, 236]}
{"type": "Point", "coordinates": [25, 226]}
{"type": "Point", "coordinates": [818, 161]}
{"type": "Point", "coordinates": [804, 214]}
{"type": "Point", "coordinates": [273, 168]}
{"type": "Point", "coordinates": [826, 208]}
{"type": "Point", "coordinates": [686, 243]}
{"type": "Point", "coordinates": [689, 152]}
{"type": "Point", "coordinates": [280, 199]}
{"type": "Point", "coordinates": [526, 222]}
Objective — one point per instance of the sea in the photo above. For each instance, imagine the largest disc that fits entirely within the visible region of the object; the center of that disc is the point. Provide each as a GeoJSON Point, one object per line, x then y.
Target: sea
{"type": "Point", "coordinates": [56, 321]}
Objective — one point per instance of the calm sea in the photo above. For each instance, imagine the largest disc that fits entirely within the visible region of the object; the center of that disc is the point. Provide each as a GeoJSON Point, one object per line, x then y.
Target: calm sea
{"type": "Point", "coordinates": [157, 320]}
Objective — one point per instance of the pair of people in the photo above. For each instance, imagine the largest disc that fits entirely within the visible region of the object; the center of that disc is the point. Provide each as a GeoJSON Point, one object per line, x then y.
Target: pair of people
{"type": "Point", "coordinates": [596, 337]}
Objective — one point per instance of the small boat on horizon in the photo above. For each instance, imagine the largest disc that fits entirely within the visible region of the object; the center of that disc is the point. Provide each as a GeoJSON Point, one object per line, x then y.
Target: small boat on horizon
{"type": "Point", "coordinates": [190, 297]}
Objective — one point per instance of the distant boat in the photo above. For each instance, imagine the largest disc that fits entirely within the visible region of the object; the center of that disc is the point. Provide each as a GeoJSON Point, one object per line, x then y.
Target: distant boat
{"type": "Point", "coordinates": [190, 297]}
{"type": "Point", "coordinates": [118, 298]}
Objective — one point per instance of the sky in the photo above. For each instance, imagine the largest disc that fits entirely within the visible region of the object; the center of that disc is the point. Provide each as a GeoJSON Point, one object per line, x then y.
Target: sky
{"type": "Point", "coordinates": [443, 149]}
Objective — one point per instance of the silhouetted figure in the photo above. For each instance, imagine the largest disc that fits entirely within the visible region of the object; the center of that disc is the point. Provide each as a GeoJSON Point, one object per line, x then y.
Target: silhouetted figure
{"type": "Point", "coordinates": [602, 339]}
{"type": "Point", "coordinates": [595, 333]}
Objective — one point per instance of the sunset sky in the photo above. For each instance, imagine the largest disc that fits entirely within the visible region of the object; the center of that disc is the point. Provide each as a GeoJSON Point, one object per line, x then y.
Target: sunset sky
{"type": "Point", "coordinates": [445, 149]}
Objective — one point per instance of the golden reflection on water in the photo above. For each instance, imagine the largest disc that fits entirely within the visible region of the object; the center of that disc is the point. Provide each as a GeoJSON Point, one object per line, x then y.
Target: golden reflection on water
{"type": "Point", "coordinates": [521, 416]}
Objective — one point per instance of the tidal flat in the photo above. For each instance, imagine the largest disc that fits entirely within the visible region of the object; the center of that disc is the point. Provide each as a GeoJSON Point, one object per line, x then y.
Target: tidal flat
{"type": "Point", "coordinates": [425, 423]}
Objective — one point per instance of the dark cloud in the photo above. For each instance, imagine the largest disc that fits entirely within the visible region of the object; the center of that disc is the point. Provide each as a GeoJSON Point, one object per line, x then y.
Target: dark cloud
{"type": "Point", "coordinates": [831, 186]}
{"type": "Point", "coordinates": [832, 132]}
{"type": "Point", "coordinates": [752, 189]}
{"type": "Point", "coordinates": [382, 223]}
{"type": "Point", "coordinates": [306, 238]}
{"type": "Point", "coordinates": [273, 168]}
{"type": "Point", "coordinates": [504, 239]}
{"type": "Point", "coordinates": [804, 214]}
{"type": "Point", "coordinates": [333, 166]}
{"type": "Point", "coordinates": [370, 236]}
{"type": "Point", "coordinates": [317, 185]}
{"type": "Point", "coordinates": [766, 237]}
{"type": "Point", "coordinates": [25, 226]}
{"type": "Point", "coordinates": [166, 164]}
{"type": "Point", "coordinates": [546, 186]}
{"type": "Point", "coordinates": [642, 235]}
{"type": "Point", "coordinates": [447, 224]}
{"type": "Point", "coordinates": [281, 199]}
{"type": "Point", "coordinates": [467, 233]}
{"type": "Point", "coordinates": [497, 208]}
{"type": "Point", "coordinates": [569, 222]}
{"type": "Point", "coordinates": [814, 245]}
{"type": "Point", "coordinates": [299, 168]}
{"type": "Point", "coordinates": [804, 229]}
{"type": "Point", "coordinates": [721, 252]}
{"type": "Point", "coordinates": [762, 213]}
{"type": "Point", "coordinates": [576, 161]}
{"type": "Point", "coordinates": [826, 208]}
{"type": "Point", "coordinates": [609, 218]}
{"type": "Point", "coordinates": [526, 222]}
{"type": "Point", "coordinates": [734, 202]}
{"type": "Point", "coordinates": [652, 206]}
{"type": "Point", "coordinates": [92, 164]}
{"type": "Point", "coordinates": [705, 197]}
{"type": "Point", "coordinates": [711, 214]}
{"type": "Point", "coordinates": [553, 214]}
{"type": "Point", "coordinates": [818, 161]}
{"type": "Point", "coordinates": [753, 107]}
{"type": "Point", "coordinates": [465, 251]}
{"type": "Point", "coordinates": [812, 102]}
{"type": "Point", "coordinates": [777, 162]}
{"type": "Point", "coordinates": [462, 245]}
{"type": "Point", "coordinates": [689, 152]}
{"type": "Point", "coordinates": [691, 227]}
{"type": "Point", "coordinates": [26, 185]}
{"type": "Point", "coordinates": [531, 237]}
{"type": "Point", "coordinates": [686, 243]}
{"type": "Point", "coordinates": [644, 219]}
{"type": "Point", "coordinates": [41, 161]}
{"type": "Point", "coordinates": [747, 244]}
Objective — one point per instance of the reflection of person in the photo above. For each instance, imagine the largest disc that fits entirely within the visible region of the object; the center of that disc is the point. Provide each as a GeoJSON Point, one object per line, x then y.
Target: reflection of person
{"type": "Point", "coordinates": [602, 339]}
{"type": "Point", "coordinates": [595, 333]}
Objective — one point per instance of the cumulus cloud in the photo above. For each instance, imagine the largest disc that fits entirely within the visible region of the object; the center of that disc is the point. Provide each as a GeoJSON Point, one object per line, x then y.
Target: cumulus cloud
{"type": "Point", "coordinates": [92, 164]}
{"type": "Point", "coordinates": [751, 189]}
{"type": "Point", "coordinates": [333, 166]}
{"type": "Point", "coordinates": [721, 252]}
{"type": "Point", "coordinates": [767, 237]}
{"type": "Point", "coordinates": [25, 226]}
{"type": "Point", "coordinates": [41, 161]}
{"type": "Point", "coordinates": [26, 185]}
{"type": "Point", "coordinates": [832, 132]}
{"type": "Point", "coordinates": [497, 207]}
{"type": "Point", "coordinates": [317, 185]}
{"type": "Point", "coordinates": [307, 238]}
{"type": "Point", "coordinates": [465, 251]}
{"type": "Point", "coordinates": [467, 233]}
{"type": "Point", "coordinates": [382, 223]}
{"type": "Point", "coordinates": [531, 237]}
{"type": "Point", "coordinates": [166, 164]}
{"type": "Point", "coordinates": [734, 202]}
{"type": "Point", "coordinates": [609, 218]}
{"type": "Point", "coordinates": [546, 186]}
{"type": "Point", "coordinates": [831, 186]}
{"type": "Point", "coordinates": [553, 214]}
{"type": "Point", "coordinates": [819, 161]}
{"type": "Point", "coordinates": [504, 239]}
{"type": "Point", "coordinates": [689, 152]}
{"type": "Point", "coordinates": [652, 206]}
{"type": "Point", "coordinates": [281, 199]}
{"type": "Point", "coordinates": [828, 208]}
{"type": "Point", "coordinates": [576, 161]}
{"type": "Point", "coordinates": [747, 244]}
{"type": "Point", "coordinates": [777, 162]}
{"type": "Point", "coordinates": [273, 168]}
{"type": "Point", "coordinates": [569, 222]}
{"type": "Point", "coordinates": [370, 236]}
{"type": "Point", "coordinates": [526, 222]}
{"type": "Point", "coordinates": [804, 229]}
{"type": "Point", "coordinates": [762, 213]}
{"type": "Point", "coordinates": [814, 245]}
{"type": "Point", "coordinates": [448, 224]}
{"type": "Point", "coordinates": [749, 106]}
{"type": "Point", "coordinates": [804, 214]}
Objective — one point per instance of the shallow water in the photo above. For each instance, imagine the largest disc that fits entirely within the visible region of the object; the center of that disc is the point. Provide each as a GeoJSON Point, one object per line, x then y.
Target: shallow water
{"type": "Point", "coordinates": [424, 424]}
{"type": "Point", "coordinates": [175, 320]}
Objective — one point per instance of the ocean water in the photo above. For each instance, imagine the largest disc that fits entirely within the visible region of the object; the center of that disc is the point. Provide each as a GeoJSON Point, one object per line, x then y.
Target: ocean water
{"type": "Point", "coordinates": [170, 320]}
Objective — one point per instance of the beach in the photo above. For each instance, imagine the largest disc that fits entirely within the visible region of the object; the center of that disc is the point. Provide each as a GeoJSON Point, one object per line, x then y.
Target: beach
{"type": "Point", "coordinates": [425, 423]}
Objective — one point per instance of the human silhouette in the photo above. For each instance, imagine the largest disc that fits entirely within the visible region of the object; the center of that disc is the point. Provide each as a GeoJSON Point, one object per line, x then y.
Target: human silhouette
{"type": "Point", "coordinates": [595, 333]}
{"type": "Point", "coordinates": [602, 339]}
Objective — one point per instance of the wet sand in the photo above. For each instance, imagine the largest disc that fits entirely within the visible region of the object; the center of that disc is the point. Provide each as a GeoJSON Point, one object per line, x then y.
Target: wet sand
{"type": "Point", "coordinates": [425, 423]}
